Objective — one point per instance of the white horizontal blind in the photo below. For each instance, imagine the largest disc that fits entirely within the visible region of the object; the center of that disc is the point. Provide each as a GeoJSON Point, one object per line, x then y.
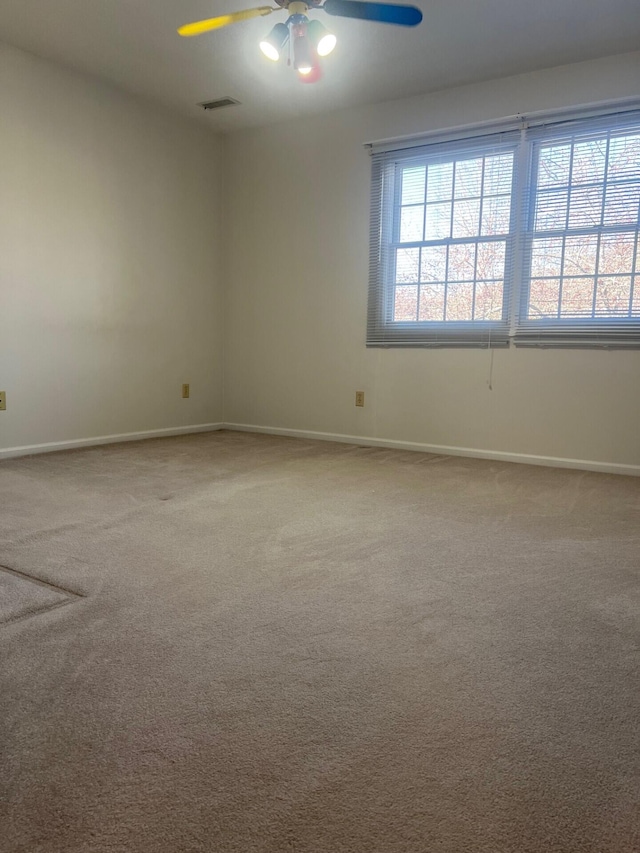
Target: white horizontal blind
{"type": "Point", "coordinates": [442, 242]}
{"type": "Point", "coordinates": [581, 268]}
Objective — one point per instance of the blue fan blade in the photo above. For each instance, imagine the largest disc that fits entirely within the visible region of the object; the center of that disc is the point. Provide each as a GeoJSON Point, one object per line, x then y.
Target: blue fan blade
{"type": "Point", "coordinates": [383, 13]}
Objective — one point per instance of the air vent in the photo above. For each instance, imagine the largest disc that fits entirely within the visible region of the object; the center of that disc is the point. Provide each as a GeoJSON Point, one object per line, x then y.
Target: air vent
{"type": "Point", "coordinates": [221, 102]}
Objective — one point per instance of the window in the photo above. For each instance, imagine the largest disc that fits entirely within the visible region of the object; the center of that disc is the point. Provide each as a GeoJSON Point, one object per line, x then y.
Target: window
{"type": "Point", "coordinates": [527, 233]}
{"type": "Point", "coordinates": [582, 271]}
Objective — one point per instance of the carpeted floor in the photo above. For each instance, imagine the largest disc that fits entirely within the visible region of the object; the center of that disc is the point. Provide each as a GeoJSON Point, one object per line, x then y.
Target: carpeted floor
{"type": "Point", "coordinates": [249, 644]}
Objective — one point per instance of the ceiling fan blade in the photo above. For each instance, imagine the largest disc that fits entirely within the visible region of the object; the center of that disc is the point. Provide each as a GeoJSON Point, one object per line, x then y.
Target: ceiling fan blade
{"type": "Point", "coordinates": [383, 13]}
{"type": "Point", "coordinates": [199, 27]}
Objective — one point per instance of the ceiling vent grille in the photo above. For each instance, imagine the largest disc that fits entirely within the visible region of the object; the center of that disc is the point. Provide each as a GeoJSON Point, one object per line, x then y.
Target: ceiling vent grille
{"type": "Point", "coordinates": [221, 102]}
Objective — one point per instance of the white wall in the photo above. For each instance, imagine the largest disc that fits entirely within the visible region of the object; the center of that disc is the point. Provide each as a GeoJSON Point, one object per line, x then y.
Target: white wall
{"type": "Point", "coordinates": [109, 260]}
{"type": "Point", "coordinates": [297, 203]}
{"type": "Point", "coordinates": [111, 278]}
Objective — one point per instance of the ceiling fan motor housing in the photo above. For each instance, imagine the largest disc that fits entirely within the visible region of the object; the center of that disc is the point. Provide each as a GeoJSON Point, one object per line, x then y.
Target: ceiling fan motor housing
{"type": "Point", "coordinates": [297, 8]}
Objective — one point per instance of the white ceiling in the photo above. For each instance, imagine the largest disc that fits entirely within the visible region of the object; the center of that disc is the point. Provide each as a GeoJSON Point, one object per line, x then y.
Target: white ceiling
{"type": "Point", "coordinates": [134, 44]}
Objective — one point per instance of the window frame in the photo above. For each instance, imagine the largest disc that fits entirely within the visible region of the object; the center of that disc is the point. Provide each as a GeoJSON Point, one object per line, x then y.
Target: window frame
{"type": "Point", "coordinates": [575, 332]}
{"type": "Point", "coordinates": [522, 136]}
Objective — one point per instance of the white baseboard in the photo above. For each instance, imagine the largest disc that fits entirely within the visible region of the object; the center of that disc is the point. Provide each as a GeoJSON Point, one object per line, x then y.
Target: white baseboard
{"type": "Point", "coordinates": [52, 446]}
{"type": "Point", "coordinates": [441, 449]}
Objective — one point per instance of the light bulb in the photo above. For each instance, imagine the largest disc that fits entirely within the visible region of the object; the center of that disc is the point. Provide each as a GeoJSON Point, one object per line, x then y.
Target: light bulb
{"type": "Point", "coordinates": [269, 51]}
{"type": "Point", "coordinates": [302, 56]}
{"type": "Point", "coordinates": [274, 42]}
{"type": "Point", "coordinates": [326, 44]}
{"type": "Point", "coordinates": [322, 40]}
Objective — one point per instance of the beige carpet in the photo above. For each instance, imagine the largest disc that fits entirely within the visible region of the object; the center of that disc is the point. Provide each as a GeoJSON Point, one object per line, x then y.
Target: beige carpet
{"type": "Point", "coordinates": [282, 645]}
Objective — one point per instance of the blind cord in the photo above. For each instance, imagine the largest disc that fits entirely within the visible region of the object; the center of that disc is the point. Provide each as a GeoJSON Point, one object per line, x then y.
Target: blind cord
{"type": "Point", "coordinates": [490, 377]}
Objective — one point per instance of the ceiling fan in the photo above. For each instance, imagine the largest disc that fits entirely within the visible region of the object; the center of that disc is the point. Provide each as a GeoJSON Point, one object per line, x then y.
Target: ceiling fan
{"type": "Point", "coordinates": [308, 39]}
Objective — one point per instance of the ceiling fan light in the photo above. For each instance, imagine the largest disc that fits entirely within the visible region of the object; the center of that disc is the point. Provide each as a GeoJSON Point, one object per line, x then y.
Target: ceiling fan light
{"type": "Point", "coordinates": [302, 56]}
{"type": "Point", "coordinates": [326, 44]}
{"type": "Point", "coordinates": [313, 76]}
{"type": "Point", "coordinates": [269, 51]}
{"type": "Point", "coordinates": [272, 45]}
{"type": "Point", "coordinates": [322, 40]}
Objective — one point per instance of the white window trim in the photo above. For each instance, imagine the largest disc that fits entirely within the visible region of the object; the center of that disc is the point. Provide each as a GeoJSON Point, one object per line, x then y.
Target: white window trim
{"type": "Point", "coordinates": [384, 333]}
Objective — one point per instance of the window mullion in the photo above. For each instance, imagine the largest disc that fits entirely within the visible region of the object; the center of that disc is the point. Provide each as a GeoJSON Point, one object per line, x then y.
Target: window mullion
{"type": "Point", "coordinates": [475, 261]}
{"type": "Point", "coordinates": [599, 244]}
{"type": "Point", "coordinates": [566, 228]}
{"type": "Point", "coordinates": [516, 244]}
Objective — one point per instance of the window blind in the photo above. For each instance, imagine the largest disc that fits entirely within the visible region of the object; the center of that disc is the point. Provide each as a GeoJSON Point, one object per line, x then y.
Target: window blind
{"type": "Point", "coordinates": [581, 225]}
{"type": "Point", "coordinates": [442, 241]}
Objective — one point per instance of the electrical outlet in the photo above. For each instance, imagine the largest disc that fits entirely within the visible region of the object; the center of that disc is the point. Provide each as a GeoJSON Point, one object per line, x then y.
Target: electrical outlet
{"type": "Point", "coordinates": [185, 390]}
{"type": "Point", "coordinates": [360, 398]}
{"type": "Point", "coordinates": [3, 400]}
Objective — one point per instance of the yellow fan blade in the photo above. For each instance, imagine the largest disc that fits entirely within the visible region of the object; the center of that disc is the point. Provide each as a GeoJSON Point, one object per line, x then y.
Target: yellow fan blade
{"type": "Point", "coordinates": [223, 21]}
